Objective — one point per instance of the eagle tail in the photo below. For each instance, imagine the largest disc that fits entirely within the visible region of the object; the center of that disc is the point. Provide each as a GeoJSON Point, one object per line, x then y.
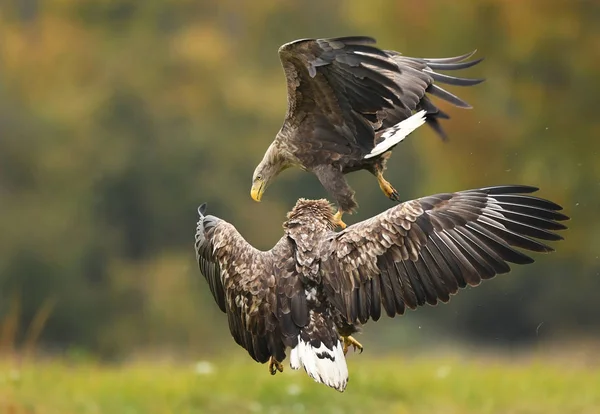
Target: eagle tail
{"type": "Point", "coordinates": [397, 133]}
{"type": "Point", "coordinates": [319, 351]}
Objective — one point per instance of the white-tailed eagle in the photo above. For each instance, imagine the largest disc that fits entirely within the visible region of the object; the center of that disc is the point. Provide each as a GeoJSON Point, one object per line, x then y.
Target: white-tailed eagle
{"type": "Point", "coordinates": [316, 286]}
{"type": "Point", "coordinates": [349, 104]}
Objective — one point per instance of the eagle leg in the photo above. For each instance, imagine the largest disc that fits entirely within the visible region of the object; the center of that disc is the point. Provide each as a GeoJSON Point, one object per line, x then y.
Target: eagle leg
{"type": "Point", "coordinates": [274, 366]}
{"type": "Point", "coordinates": [350, 341]}
{"type": "Point", "coordinates": [387, 188]}
{"type": "Point", "coordinates": [337, 219]}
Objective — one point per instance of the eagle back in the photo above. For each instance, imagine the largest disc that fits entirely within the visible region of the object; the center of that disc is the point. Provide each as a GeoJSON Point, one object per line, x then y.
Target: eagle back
{"type": "Point", "coordinates": [307, 225]}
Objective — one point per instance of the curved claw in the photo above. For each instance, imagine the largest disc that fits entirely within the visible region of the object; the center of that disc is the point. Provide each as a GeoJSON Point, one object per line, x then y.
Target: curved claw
{"type": "Point", "coordinates": [394, 196]}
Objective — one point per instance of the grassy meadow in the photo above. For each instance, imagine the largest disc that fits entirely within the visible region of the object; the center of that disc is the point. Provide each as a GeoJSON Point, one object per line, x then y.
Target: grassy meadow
{"type": "Point", "coordinates": [423, 385]}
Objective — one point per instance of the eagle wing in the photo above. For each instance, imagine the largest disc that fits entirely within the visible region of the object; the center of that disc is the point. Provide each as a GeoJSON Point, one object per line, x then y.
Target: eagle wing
{"type": "Point", "coordinates": [344, 90]}
{"type": "Point", "coordinates": [241, 281]}
{"type": "Point", "coordinates": [424, 250]}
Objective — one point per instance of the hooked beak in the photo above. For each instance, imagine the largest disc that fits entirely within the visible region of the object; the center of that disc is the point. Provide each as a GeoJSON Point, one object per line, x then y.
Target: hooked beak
{"type": "Point", "coordinates": [257, 190]}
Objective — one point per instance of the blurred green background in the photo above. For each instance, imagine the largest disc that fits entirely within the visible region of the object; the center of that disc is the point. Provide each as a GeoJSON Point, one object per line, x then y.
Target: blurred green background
{"type": "Point", "coordinates": [119, 117]}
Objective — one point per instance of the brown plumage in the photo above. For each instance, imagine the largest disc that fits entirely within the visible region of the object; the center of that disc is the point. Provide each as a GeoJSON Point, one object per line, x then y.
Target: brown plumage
{"type": "Point", "coordinates": [317, 285]}
{"type": "Point", "coordinates": [349, 104]}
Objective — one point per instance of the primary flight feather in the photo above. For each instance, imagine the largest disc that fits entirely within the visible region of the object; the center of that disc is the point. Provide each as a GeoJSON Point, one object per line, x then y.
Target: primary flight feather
{"type": "Point", "coordinates": [316, 287]}
{"type": "Point", "coordinates": [349, 104]}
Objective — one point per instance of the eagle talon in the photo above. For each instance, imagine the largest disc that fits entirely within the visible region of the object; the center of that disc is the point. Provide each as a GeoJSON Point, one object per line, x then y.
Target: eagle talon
{"type": "Point", "coordinates": [337, 219]}
{"type": "Point", "coordinates": [387, 188]}
{"type": "Point", "coordinates": [275, 366]}
{"type": "Point", "coordinates": [350, 341]}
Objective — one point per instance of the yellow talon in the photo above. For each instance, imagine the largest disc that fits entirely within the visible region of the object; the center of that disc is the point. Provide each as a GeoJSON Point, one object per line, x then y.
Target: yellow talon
{"type": "Point", "coordinates": [389, 191]}
{"type": "Point", "coordinates": [350, 341]}
{"type": "Point", "coordinates": [338, 220]}
{"type": "Point", "coordinates": [274, 366]}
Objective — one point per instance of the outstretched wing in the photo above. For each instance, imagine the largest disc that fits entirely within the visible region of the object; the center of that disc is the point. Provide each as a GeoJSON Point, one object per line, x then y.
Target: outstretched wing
{"type": "Point", "coordinates": [344, 89]}
{"type": "Point", "coordinates": [241, 281]}
{"type": "Point", "coordinates": [422, 251]}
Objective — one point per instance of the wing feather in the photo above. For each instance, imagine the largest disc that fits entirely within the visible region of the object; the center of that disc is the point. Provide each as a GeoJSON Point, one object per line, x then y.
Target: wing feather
{"type": "Point", "coordinates": [450, 260]}
{"type": "Point", "coordinates": [387, 292]}
{"type": "Point", "coordinates": [423, 251]}
{"type": "Point", "coordinates": [376, 299]}
{"type": "Point", "coordinates": [425, 276]}
{"type": "Point", "coordinates": [442, 291]}
{"type": "Point", "coordinates": [413, 279]}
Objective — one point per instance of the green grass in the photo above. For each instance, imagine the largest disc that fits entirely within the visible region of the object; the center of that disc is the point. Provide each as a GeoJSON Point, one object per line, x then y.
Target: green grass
{"type": "Point", "coordinates": [439, 385]}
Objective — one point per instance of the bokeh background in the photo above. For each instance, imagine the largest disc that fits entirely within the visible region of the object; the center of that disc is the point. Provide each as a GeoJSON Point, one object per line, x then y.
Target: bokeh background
{"type": "Point", "coordinates": [119, 117]}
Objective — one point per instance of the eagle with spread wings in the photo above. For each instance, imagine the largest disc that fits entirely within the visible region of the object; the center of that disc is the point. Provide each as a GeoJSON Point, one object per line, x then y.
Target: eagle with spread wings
{"type": "Point", "coordinates": [317, 286]}
{"type": "Point", "coordinates": [349, 104]}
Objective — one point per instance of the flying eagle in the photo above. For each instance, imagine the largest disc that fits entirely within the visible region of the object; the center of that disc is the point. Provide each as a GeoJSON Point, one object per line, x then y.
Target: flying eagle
{"type": "Point", "coordinates": [316, 286]}
{"type": "Point", "coordinates": [349, 104]}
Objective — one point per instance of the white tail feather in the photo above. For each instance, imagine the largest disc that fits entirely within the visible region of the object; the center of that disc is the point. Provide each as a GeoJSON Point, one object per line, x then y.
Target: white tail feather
{"type": "Point", "coordinates": [322, 364]}
{"type": "Point", "coordinates": [397, 133]}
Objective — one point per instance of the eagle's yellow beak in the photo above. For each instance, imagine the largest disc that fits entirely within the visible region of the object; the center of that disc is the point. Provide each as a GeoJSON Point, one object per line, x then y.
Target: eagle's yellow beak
{"type": "Point", "coordinates": [257, 190]}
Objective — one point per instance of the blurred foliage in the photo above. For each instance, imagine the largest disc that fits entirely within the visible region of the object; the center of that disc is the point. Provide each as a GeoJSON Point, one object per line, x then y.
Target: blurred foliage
{"type": "Point", "coordinates": [119, 117]}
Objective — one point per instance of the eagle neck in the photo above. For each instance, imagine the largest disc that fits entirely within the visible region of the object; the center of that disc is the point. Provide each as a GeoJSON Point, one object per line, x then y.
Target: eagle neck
{"type": "Point", "coordinates": [284, 148]}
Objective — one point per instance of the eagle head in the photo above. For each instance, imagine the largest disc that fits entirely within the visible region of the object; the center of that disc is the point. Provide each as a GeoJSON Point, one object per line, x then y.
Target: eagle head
{"type": "Point", "coordinates": [311, 213]}
{"type": "Point", "coordinates": [276, 160]}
